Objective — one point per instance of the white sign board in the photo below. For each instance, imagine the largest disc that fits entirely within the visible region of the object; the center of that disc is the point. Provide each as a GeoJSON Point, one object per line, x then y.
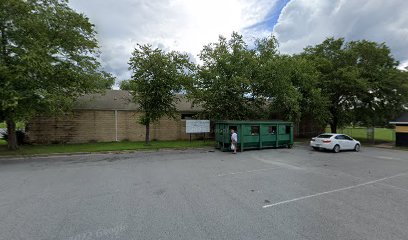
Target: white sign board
{"type": "Point", "coordinates": [197, 126]}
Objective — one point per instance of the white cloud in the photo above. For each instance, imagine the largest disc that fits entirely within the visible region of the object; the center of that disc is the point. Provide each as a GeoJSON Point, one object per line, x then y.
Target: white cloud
{"type": "Point", "coordinates": [182, 25]}
{"type": "Point", "coordinates": [308, 22]}
{"type": "Point", "coordinates": [187, 25]}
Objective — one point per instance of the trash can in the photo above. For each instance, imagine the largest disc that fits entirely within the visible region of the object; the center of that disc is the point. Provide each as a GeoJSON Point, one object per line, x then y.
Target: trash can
{"type": "Point", "coordinates": [254, 134]}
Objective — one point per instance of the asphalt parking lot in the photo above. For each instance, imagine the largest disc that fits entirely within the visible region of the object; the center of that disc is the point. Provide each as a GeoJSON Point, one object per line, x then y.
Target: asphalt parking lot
{"type": "Point", "coordinates": [200, 194]}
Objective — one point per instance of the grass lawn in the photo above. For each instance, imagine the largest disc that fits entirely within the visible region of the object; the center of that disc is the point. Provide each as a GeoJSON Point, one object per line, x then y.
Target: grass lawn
{"type": "Point", "coordinates": [360, 133]}
{"type": "Point", "coordinates": [102, 147]}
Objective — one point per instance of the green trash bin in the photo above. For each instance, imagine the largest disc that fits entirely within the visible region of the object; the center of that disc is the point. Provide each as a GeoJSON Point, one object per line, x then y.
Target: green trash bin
{"type": "Point", "coordinates": [254, 134]}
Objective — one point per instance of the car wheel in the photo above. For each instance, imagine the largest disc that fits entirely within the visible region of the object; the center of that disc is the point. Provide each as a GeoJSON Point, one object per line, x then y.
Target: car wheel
{"type": "Point", "coordinates": [357, 147]}
{"type": "Point", "coordinates": [316, 148]}
{"type": "Point", "coordinates": [336, 149]}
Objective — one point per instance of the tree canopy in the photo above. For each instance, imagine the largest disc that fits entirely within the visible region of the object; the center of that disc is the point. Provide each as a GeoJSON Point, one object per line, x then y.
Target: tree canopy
{"type": "Point", "coordinates": [289, 83]}
{"type": "Point", "coordinates": [361, 80]}
{"type": "Point", "coordinates": [48, 57]}
{"type": "Point", "coordinates": [157, 77]}
{"type": "Point", "coordinates": [223, 81]}
{"type": "Point", "coordinates": [239, 82]}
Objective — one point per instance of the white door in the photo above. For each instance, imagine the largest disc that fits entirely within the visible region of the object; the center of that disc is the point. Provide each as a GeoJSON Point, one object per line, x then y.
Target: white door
{"type": "Point", "coordinates": [350, 142]}
{"type": "Point", "coordinates": [343, 142]}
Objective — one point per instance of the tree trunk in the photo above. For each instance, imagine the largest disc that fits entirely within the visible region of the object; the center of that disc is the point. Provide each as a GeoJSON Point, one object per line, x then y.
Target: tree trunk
{"type": "Point", "coordinates": [11, 133]}
{"type": "Point", "coordinates": [333, 124]}
{"type": "Point", "coordinates": [334, 121]}
{"type": "Point", "coordinates": [333, 127]}
{"type": "Point", "coordinates": [147, 134]}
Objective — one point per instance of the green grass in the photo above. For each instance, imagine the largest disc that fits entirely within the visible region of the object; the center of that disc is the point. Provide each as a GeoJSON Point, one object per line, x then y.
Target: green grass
{"type": "Point", "coordinates": [103, 147]}
{"type": "Point", "coordinates": [360, 133]}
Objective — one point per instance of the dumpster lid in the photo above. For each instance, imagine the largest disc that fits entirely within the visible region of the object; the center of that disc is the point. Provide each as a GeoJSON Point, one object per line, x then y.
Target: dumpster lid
{"type": "Point", "coordinates": [253, 122]}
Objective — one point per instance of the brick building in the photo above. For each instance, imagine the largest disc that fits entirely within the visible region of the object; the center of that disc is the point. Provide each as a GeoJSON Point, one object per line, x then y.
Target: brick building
{"type": "Point", "coordinates": [107, 117]}
{"type": "Point", "coordinates": [401, 130]}
{"type": "Point", "coordinates": [113, 117]}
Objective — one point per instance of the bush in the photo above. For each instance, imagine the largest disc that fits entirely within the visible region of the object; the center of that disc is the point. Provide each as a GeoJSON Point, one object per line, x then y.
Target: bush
{"type": "Point", "coordinates": [20, 137]}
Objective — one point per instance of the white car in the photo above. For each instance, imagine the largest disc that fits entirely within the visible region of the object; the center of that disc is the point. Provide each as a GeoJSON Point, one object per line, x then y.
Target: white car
{"type": "Point", "coordinates": [335, 142]}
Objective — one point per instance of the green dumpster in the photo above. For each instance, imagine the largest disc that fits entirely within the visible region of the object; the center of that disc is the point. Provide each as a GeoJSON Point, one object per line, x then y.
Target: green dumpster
{"type": "Point", "coordinates": [254, 134]}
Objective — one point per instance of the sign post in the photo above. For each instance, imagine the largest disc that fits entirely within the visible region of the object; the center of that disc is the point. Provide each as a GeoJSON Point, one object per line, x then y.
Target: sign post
{"type": "Point", "coordinates": [197, 126]}
{"type": "Point", "coordinates": [370, 135]}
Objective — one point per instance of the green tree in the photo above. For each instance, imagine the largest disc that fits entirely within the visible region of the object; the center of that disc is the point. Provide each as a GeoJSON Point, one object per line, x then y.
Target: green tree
{"type": "Point", "coordinates": [289, 83]}
{"type": "Point", "coordinates": [48, 57]}
{"type": "Point", "coordinates": [386, 93]}
{"type": "Point", "coordinates": [238, 82]}
{"type": "Point", "coordinates": [156, 80]}
{"type": "Point", "coordinates": [361, 80]}
{"type": "Point", "coordinates": [223, 82]}
{"type": "Point", "coordinates": [297, 94]}
{"type": "Point", "coordinates": [338, 78]}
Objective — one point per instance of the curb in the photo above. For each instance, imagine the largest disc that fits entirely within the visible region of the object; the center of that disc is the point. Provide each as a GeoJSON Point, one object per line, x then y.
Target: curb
{"type": "Point", "coordinates": [39, 156]}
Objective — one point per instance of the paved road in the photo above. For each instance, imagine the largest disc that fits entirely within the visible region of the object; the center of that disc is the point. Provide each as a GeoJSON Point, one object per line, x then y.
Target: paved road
{"type": "Point", "coordinates": [196, 194]}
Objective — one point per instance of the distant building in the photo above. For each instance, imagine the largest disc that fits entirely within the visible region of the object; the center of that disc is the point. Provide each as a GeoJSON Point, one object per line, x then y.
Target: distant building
{"type": "Point", "coordinates": [107, 117]}
{"type": "Point", "coordinates": [401, 130]}
{"type": "Point", "coordinates": [112, 116]}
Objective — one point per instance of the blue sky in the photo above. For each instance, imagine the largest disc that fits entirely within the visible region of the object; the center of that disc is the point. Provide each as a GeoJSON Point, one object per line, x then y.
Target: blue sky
{"type": "Point", "coordinates": [186, 25]}
{"type": "Point", "coordinates": [271, 18]}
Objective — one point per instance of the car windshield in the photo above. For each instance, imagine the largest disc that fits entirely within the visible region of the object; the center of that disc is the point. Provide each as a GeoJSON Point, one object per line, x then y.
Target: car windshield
{"type": "Point", "coordinates": [325, 136]}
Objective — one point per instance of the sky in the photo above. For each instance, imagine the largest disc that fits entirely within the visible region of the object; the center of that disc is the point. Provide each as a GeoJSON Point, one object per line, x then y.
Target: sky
{"type": "Point", "coordinates": [188, 25]}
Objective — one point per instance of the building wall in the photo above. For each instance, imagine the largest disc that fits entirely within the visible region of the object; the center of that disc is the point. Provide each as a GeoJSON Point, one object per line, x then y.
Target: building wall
{"type": "Point", "coordinates": [401, 135]}
{"type": "Point", "coordinates": [100, 126]}
{"type": "Point", "coordinates": [401, 128]}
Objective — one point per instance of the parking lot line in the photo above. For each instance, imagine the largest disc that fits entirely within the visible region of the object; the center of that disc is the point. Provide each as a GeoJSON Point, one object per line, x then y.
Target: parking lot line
{"type": "Point", "coordinates": [277, 163]}
{"type": "Point", "coordinates": [388, 158]}
{"type": "Point", "coordinates": [250, 171]}
{"type": "Point", "coordinates": [335, 190]}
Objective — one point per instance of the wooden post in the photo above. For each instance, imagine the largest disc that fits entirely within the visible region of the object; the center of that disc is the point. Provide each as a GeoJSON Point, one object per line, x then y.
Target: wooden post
{"type": "Point", "coordinates": [116, 125]}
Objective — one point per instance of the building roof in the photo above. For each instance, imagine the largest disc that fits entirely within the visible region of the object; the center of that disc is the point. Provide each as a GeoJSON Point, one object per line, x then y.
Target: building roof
{"type": "Point", "coordinates": [403, 119]}
{"type": "Point", "coordinates": [238, 122]}
{"type": "Point", "coordinates": [121, 100]}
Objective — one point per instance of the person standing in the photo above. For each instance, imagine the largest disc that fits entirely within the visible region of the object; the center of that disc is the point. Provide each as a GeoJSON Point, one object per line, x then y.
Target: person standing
{"type": "Point", "coordinates": [234, 141]}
